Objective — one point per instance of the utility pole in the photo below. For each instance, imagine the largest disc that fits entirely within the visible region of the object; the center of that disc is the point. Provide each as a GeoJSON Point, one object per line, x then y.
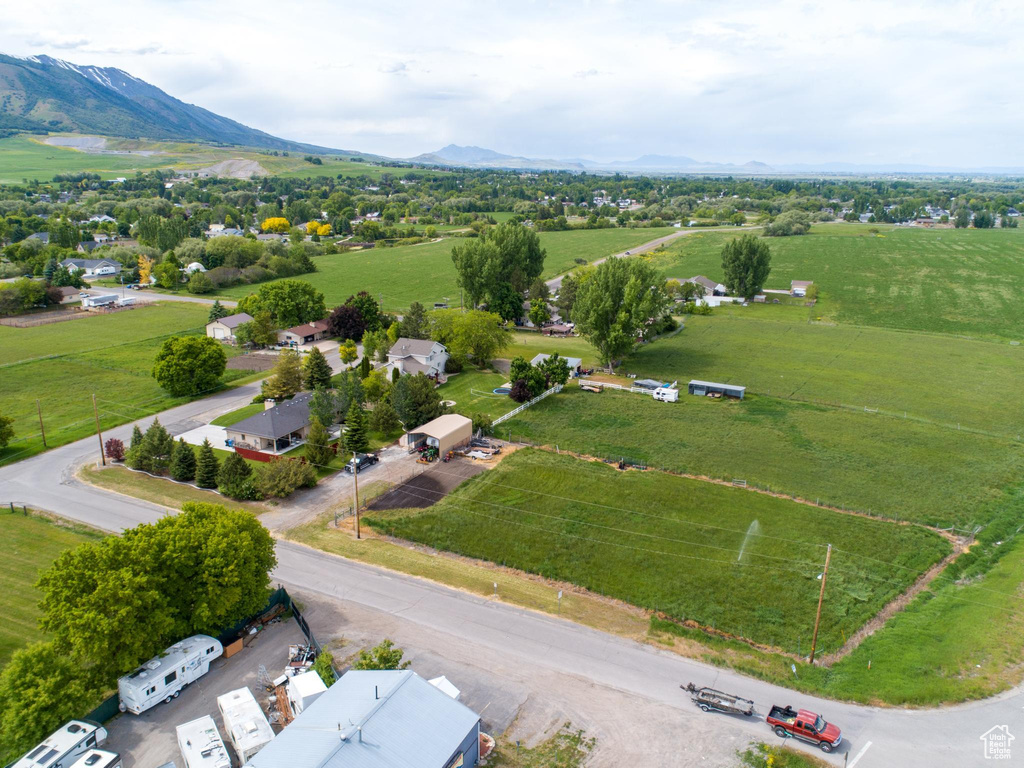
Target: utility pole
{"type": "Point", "coordinates": [821, 598]}
{"type": "Point", "coordinates": [39, 410]}
{"type": "Point", "coordinates": [355, 486]}
{"type": "Point", "coordinates": [96, 413]}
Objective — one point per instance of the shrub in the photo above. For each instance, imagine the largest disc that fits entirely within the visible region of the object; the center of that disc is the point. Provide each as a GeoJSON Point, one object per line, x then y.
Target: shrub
{"type": "Point", "coordinates": [114, 449]}
{"type": "Point", "coordinates": [482, 423]}
{"type": "Point", "coordinates": [199, 283]}
{"type": "Point", "coordinates": [281, 477]}
{"type": "Point", "coordinates": [382, 656]}
{"type": "Point", "coordinates": [520, 391]}
{"type": "Point", "coordinates": [234, 478]}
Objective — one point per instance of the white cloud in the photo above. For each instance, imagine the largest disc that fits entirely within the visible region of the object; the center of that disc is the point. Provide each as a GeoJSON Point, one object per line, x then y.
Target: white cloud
{"type": "Point", "coordinates": [788, 81]}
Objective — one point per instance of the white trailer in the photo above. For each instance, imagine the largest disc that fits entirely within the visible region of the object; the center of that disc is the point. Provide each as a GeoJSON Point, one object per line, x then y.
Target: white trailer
{"type": "Point", "coordinates": [244, 723]}
{"type": "Point", "coordinates": [666, 394]}
{"type": "Point", "coordinates": [98, 758]}
{"type": "Point", "coordinates": [201, 745]}
{"type": "Point", "coordinates": [304, 689]}
{"type": "Point", "coordinates": [163, 677]}
{"type": "Point", "coordinates": [64, 746]}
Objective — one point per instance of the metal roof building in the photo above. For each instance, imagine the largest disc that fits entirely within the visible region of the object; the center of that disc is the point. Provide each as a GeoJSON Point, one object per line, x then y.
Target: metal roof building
{"type": "Point", "coordinates": [378, 719]}
{"type": "Point", "coordinates": [703, 388]}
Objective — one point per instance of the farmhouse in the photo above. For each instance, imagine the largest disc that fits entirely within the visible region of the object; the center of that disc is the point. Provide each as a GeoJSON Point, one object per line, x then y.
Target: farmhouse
{"type": "Point", "coordinates": [445, 433]}
{"type": "Point", "coordinates": [711, 288]}
{"type": "Point", "coordinates": [276, 429]}
{"type": "Point", "coordinates": [799, 287]}
{"type": "Point", "coordinates": [414, 356]}
{"type": "Point", "coordinates": [378, 718]}
{"type": "Point", "coordinates": [92, 267]}
{"type": "Point", "coordinates": [224, 328]}
{"type": "Point", "coordinates": [303, 334]}
{"type": "Point", "coordinates": [713, 389]}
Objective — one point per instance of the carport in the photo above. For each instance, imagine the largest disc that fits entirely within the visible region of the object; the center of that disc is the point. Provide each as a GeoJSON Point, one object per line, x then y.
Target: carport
{"type": "Point", "coordinates": [444, 433]}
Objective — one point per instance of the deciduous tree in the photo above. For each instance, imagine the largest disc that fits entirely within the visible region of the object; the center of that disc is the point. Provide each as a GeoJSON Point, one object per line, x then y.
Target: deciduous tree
{"type": "Point", "coordinates": [290, 302]}
{"type": "Point", "coordinates": [474, 335]}
{"type": "Point", "coordinates": [746, 262]}
{"type": "Point", "coordinates": [382, 656]}
{"type": "Point", "coordinates": [286, 378]}
{"type": "Point", "coordinates": [189, 365]}
{"type": "Point", "coordinates": [348, 351]}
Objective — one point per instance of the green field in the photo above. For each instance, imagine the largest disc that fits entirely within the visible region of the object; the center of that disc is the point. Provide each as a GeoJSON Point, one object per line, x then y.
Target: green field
{"type": "Point", "coordinates": [63, 364]}
{"type": "Point", "coordinates": [24, 158]}
{"type": "Point", "coordinates": [33, 543]}
{"type": "Point", "coordinates": [472, 391]}
{"type": "Point", "coordinates": [742, 562]}
{"type": "Point", "coordinates": [966, 281]}
{"type": "Point", "coordinates": [868, 462]}
{"type": "Point", "coordinates": [237, 415]}
{"type": "Point", "coordinates": [565, 247]}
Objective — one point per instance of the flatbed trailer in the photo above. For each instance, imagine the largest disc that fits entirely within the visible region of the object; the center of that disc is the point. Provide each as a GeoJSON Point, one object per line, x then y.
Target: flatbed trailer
{"type": "Point", "coordinates": [710, 700]}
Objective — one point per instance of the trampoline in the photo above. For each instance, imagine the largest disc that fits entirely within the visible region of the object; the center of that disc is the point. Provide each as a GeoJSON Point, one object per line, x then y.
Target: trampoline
{"type": "Point", "coordinates": [502, 390]}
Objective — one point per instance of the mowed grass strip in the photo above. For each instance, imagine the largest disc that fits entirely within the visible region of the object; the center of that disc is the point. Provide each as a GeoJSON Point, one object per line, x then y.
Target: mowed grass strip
{"type": "Point", "coordinates": [957, 281]}
{"type": "Point", "coordinates": [31, 544]}
{"type": "Point", "coordinates": [742, 562]}
{"type": "Point", "coordinates": [64, 364]}
{"type": "Point", "coordinates": [873, 463]}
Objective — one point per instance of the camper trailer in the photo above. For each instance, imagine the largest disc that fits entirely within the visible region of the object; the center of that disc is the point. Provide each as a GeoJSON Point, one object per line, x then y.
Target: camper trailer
{"type": "Point", "coordinates": [163, 677]}
{"type": "Point", "coordinates": [244, 723]}
{"type": "Point", "coordinates": [64, 746]}
{"type": "Point", "coordinates": [201, 745]}
{"type": "Point", "coordinates": [666, 394]}
{"type": "Point", "coordinates": [98, 758]}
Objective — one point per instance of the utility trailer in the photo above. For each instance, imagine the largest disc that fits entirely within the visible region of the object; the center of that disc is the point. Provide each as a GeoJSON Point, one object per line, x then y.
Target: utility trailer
{"type": "Point", "coordinates": [710, 700]}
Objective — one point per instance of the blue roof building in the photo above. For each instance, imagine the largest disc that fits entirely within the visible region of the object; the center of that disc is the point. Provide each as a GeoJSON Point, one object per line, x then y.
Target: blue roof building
{"type": "Point", "coordinates": [378, 719]}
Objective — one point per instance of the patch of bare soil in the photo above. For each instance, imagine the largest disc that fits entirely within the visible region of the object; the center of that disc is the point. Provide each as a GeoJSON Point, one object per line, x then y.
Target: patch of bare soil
{"type": "Point", "coordinates": [236, 168]}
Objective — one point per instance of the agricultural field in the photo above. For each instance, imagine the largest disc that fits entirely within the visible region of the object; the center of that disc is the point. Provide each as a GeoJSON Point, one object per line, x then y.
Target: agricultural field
{"type": "Point", "coordinates": [61, 365]}
{"type": "Point", "coordinates": [741, 562]}
{"type": "Point", "coordinates": [31, 544]}
{"type": "Point", "coordinates": [22, 157]}
{"type": "Point", "coordinates": [964, 282]}
{"type": "Point", "coordinates": [869, 462]}
{"type": "Point", "coordinates": [565, 247]}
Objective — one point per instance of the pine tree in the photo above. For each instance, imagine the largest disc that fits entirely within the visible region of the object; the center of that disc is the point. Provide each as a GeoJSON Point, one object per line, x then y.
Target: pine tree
{"type": "Point", "coordinates": [217, 311]}
{"type": "Point", "coordinates": [383, 418]}
{"type": "Point", "coordinates": [318, 451]}
{"type": "Point", "coordinates": [157, 446]}
{"type": "Point", "coordinates": [364, 367]}
{"type": "Point", "coordinates": [207, 466]}
{"type": "Point", "coordinates": [356, 438]}
{"type": "Point", "coordinates": [395, 374]}
{"type": "Point", "coordinates": [183, 462]}
{"type": "Point", "coordinates": [287, 376]}
{"type": "Point", "coordinates": [232, 476]}
{"type": "Point", "coordinates": [316, 370]}
{"type": "Point", "coordinates": [136, 437]}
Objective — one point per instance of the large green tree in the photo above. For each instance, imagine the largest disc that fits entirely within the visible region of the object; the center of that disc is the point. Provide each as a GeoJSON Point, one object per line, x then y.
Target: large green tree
{"type": "Point", "coordinates": [286, 377]}
{"type": "Point", "coordinates": [356, 428]}
{"type": "Point", "coordinates": [183, 462]}
{"type": "Point", "coordinates": [290, 302]}
{"type": "Point", "coordinates": [189, 365]}
{"type": "Point", "coordinates": [508, 258]}
{"type": "Point", "coordinates": [316, 371]}
{"type": "Point", "coordinates": [318, 449]}
{"type": "Point", "coordinates": [474, 335]}
{"type": "Point", "coordinates": [746, 262]}
{"type": "Point", "coordinates": [415, 400]}
{"type": "Point", "coordinates": [207, 466]}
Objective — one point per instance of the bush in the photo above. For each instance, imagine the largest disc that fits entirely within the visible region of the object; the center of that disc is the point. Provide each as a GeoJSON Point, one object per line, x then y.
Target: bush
{"type": "Point", "coordinates": [520, 391]}
{"type": "Point", "coordinates": [482, 423]}
{"type": "Point", "coordinates": [281, 477]}
{"type": "Point", "coordinates": [454, 365]}
{"type": "Point", "coordinates": [200, 283]}
{"type": "Point", "coordinates": [234, 478]}
{"type": "Point", "coordinates": [114, 449]}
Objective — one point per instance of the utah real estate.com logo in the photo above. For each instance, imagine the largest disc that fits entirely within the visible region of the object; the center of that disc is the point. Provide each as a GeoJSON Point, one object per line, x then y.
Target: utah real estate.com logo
{"type": "Point", "coordinates": [997, 742]}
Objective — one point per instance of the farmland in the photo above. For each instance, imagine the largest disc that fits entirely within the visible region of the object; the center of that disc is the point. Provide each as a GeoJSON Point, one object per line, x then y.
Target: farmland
{"type": "Point", "coordinates": [63, 364]}
{"type": "Point", "coordinates": [693, 552]}
{"type": "Point", "coordinates": [32, 544]}
{"type": "Point", "coordinates": [964, 282]}
{"type": "Point", "coordinates": [869, 462]}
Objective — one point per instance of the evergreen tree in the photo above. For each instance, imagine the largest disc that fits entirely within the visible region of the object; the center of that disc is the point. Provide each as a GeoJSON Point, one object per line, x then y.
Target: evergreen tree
{"type": "Point", "coordinates": [316, 371]}
{"type": "Point", "coordinates": [318, 451]}
{"type": "Point", "coordinates": [158, 445]}
{"type": "Point", "coordinates": [383, 418]}
{"type": "Point", "coordinates": [287, 376]}
{"type": "Point", "coordinates": [364, 367]}
{"type": "Point", "coordinates": [217, 311]}
{"type": "Point", "coordinates": [183, 462]}
{"type": "Point", "coordinates": [323, 406]}
{"type": "Point", "coordinates": [356, 438]}
{"type": "Point", "coordinates": [395, 375]}
{"type": "Point", "coordinates": [136, 437]}
{"type": "Point", "coordinates": [234, 472]}
{"type": "Point", "coordinates": [207, 466]}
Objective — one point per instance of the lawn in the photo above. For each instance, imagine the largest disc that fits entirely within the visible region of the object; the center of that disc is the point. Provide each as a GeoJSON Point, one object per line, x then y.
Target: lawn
{"type": "Point", "coordinates": [61, 365]}
{"type": "Point", "coordinates": [33, 543]}
{"type": "Point", "coordinates": [741, 562]}
{"type": "Point", "coordinates": [966, 282]}
{"type": "Point", "coordinates": [869, 462]}
{"type": "Point", "coordinates": [528, 344]}
{"type": "Point", "coordinates": [472, 391]}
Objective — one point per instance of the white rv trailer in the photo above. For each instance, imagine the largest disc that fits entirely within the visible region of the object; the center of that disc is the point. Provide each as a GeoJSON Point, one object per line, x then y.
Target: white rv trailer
{"type": "Point", "coordinates": [244, 723]}
{"type": "Point", "coordinates": [304, 689]}
{"type": "Point", "coordinates": [201, 745]}
{"type": "Point", "coordinates": [98, 758]}
{"type": "Point", "coordinates": [163, 677]}
{"type": "Point", "coordinates": [64, 746]}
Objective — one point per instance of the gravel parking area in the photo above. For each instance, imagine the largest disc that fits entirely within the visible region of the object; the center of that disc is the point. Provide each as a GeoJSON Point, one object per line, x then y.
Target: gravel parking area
{"type": "Point", "coordinates": [429, 487]}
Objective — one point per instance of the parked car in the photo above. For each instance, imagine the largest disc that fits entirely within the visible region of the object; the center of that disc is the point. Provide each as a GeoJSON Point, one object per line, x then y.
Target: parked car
{"type": "Point", "coordinates": [83, 295]}
{"type": "Point", "coordinates": [361, 462]}
{"type": "Point", "coordinates": [804, 725]}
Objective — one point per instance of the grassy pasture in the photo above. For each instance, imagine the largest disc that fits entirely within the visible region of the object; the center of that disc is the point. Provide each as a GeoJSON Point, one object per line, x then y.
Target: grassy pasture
{"type": "Point", "coordinates": [472, 391]}
{"type": "Point", "coordinates": [867, 462]}
{"type": "Point", "coordinates": [966, 282]}
{"type": "Point", "coordinates": [32, 544]}
{"type": "Point", "coordinates": [685, 547]}
{"type": "Point", "coordinates": [63, 364]}
{"type": "Point", "coordinates": [22, 157]}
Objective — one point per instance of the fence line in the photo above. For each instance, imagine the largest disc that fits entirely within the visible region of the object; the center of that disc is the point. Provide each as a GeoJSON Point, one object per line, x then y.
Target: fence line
{"type": "Point", "coordinates": [524, 406]}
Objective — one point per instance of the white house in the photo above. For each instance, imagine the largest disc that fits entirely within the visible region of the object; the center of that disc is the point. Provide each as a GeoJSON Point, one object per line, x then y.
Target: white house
{"type": "Point", "coordinates": [414, 356]}
{"type": "Point", "coordinates": [224, 328]}
{"type": "Point", "coordinates": [92, 267]}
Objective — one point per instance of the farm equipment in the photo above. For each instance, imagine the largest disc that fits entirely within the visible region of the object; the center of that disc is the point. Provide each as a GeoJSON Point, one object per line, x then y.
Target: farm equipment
{"type": "Point", "coordinates": [710, 700]}
{"type": "Point", "coordinates": [427, 454]}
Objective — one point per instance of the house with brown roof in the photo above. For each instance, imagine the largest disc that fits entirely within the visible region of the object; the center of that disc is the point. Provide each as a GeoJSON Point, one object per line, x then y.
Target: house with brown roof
{"type": "Point", "coordinates": [306, 333]}
{"type": "Point", "coordinates": [710, 287]}
{"type": "Point", "coordinates": [412, 356]}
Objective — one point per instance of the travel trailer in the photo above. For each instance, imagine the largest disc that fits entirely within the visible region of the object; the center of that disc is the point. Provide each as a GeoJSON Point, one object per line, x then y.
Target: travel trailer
{"type": "Point", "coordinates": [63, 747]}
{"type": "Point", "coordinates": [666, 394]}
{"type": "Point", "coordinates": [98, 758]}
{"type": "Point", "coordinates": [244, 723]}
{"type": "Point", "coordinates": [201, 745]}
{"type": "Point", "coordinates": [163, 677]}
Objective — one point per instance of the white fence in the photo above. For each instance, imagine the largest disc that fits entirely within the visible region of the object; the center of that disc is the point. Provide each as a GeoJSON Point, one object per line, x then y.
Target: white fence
{"type": "Point", "coordinates": [524, 406]}
{"type": "Point", "coordinates": [609, 385]}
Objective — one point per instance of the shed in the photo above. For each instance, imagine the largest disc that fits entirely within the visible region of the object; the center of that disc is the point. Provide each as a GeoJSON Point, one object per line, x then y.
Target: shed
{"type": "Point", "coordinates": [702, 388]}
{"type": "Point", "coordinates": [444, 433]}
{"type": "Point", "coordinates": [224, 328]}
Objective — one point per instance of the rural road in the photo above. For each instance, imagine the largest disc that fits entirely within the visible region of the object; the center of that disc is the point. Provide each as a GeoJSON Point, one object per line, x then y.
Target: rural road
{"type": "Point", "coordinates": [147, 297]}
{"type": "Point", "coordinates": [537, 643]}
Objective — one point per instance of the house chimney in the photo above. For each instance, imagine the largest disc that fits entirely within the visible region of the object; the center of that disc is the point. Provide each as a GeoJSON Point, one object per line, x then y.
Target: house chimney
{"type": "Point", "coordinates": [268, 404]}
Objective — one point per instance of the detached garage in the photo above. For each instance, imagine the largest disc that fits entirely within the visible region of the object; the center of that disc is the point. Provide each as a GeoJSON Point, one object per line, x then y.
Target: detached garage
{"type": "Point", "coordinates": [713, 389]}
{"type": "Point", "coordinates": [445, 433]}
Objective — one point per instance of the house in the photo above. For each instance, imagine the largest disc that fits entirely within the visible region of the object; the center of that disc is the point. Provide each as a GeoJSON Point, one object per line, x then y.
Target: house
{"type": "Point", "coordinates": [68, 294]}
{"type": "Point", "coordinates": [575, 363]}
{"type": "Point", "coordinates": [376, 718]}
{"type": "Point", "coordinates": [714, 389]}
{"type": "Point", "coordinates": [43, 237]}
{"type": "Point", "coordinates": [104, 219]}
{"type": "Point", "coordinates": [711, 288]}
{"type": "Point", "coordinates": [277, 428]}
{"type": "Point", "coordinates": [224, 328]}
{"type": "Point", "coordinates": [194, 266]}
{"type": "Point", "coordinates": [800, 287]}
{"type": "Point", "coordinates": [445, 433]}
{"type": "Point", "coordinates": [87, 246]}
{"type": "Point", "coordinates": [414, 356]}
{"type": "Point", "coordinates": [558, 329]}
{"type": "Point", "coordinates": [92, 267]}
{"type": "Point", "coordinates": [224, 231]}
{"type": "Point", "coordinates": [303, 334]}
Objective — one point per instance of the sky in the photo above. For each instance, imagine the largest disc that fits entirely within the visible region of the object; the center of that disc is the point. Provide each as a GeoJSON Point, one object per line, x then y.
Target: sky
{"type": "Point", "coordinates": [778, 82]}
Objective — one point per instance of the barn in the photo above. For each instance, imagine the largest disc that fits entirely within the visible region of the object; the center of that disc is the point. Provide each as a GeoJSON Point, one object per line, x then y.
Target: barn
{"type": "Point", "coordinates": [712, 389]}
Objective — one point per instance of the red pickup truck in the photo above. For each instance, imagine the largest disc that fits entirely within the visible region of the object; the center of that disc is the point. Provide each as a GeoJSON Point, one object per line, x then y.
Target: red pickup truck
{"type": "Point", "coordinates": [804, 725]}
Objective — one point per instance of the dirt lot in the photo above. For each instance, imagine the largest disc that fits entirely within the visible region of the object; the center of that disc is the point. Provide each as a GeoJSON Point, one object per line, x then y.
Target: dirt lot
{"type": "Point", "coordinates": [431, 486]}
{"type": "Point", "coordinates": [256, 362]}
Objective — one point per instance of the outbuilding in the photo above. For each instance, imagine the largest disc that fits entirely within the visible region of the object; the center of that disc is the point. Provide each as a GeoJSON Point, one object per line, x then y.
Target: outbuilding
{"type": "Point", "coordinates": [95, 302]}
{"type": "Point", "coordinates": [444, 433]}
{"type": "Point", "coordinates": [223, 329]}
{"type": "Point", "coordinates": [714, 389]}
